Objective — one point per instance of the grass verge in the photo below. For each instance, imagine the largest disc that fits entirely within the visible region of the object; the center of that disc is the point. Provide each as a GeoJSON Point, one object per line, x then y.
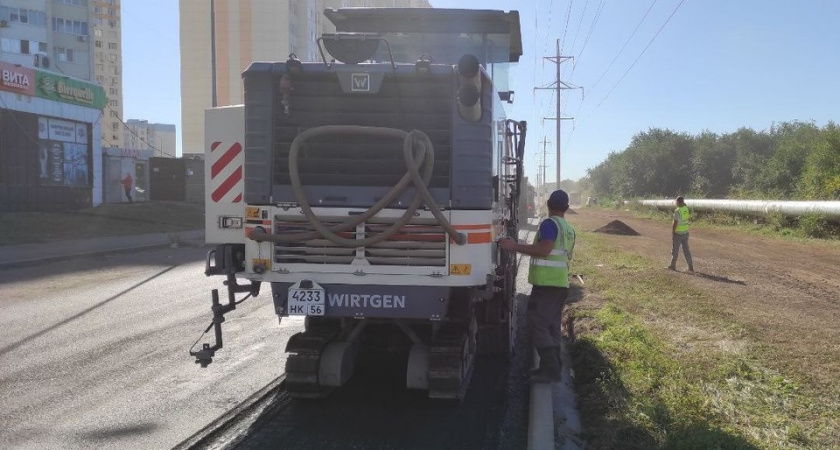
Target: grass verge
{"type": "Point", "coordinates": [806, 228]}
{"type": "Point", "coordinates": [658, 366]}
{"type": "Point", "coordinates": [106, 220]}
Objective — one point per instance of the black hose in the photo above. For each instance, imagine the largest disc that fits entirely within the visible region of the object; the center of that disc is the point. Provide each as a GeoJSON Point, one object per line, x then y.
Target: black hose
{"type": "Point", "coordinates": [417, 150]}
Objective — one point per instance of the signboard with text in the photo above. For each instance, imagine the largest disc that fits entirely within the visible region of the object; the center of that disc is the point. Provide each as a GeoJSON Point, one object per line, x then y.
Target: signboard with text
{"type": "Point", "coordinates": [63, 152]}
{"type": "Point", "coordinates": [69, 90]}
{"type": "Point", "coordinates": [16, 78]}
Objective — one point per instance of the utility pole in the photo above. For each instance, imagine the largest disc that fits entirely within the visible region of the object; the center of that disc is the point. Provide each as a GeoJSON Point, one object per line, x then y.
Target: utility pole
{"type": "Point", "coordinates": [542, 167]}
{"type": "Point", "coordinates": [558, 85]}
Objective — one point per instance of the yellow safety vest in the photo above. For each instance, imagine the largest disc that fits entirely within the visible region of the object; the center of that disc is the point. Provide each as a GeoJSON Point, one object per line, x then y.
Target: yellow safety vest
{"type": "Point", "coordinates": [553, 270]}
{"type": "Point", "coordinates": [684, 221]}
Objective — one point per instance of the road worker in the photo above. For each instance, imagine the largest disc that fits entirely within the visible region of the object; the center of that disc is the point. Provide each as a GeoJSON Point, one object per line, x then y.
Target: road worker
{"type": "Point", "coordinates": [550, 254]}
{"type": "Point", "coordinates": [679, 235]}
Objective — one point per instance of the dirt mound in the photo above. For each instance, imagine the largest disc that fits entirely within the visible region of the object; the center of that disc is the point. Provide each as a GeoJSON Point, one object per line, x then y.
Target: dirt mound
{"type": "Point", "coordinates": [617, 227]}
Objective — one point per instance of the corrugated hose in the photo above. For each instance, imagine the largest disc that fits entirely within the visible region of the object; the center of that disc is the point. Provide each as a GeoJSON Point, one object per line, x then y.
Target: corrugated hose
{"type": "Point", "coordinates": [417, 151]}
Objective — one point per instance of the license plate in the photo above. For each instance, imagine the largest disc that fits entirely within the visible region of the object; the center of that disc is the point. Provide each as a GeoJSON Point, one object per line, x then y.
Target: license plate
{"type": "Point", "coordinates": [309, 301]}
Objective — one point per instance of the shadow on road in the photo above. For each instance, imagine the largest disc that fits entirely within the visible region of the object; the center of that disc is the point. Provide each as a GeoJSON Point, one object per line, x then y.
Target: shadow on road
{"type": "Point", "coordinates": [29, 338]}
{"type": "Point", "coordinates": [718, 278]}
{"type": "Point", "coordinates": [112, 433]}
{"type": "Point", "coordinates": [184, 254]}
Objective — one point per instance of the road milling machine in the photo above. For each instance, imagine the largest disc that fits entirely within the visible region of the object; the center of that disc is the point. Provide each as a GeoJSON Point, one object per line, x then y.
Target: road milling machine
{"type": "Point", "coordinates": [368, 190]}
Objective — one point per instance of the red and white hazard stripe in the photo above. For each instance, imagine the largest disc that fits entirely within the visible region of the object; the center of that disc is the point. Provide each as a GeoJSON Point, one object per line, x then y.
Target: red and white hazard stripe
{"type": "Point", "coordinates": [226, 172]}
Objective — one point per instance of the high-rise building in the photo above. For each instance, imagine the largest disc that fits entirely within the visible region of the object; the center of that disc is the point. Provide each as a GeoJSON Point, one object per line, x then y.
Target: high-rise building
{"type": "Point", "coordinates": [77, 38]}
{"type": "Point", "coordinates": [220, 39]}
{"type": "Point", "coordinates": [52, 35]}
{"type": "Point", "coordinates": [107, 47]}
{"type": "Point", "coordinates": [158, 137]}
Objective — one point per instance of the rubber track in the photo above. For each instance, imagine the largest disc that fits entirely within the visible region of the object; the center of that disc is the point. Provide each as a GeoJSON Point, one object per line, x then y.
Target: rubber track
{"type": "Point", "coordinates": [303, 362]}
{"type": "Point", "coordinates": [449, 374]}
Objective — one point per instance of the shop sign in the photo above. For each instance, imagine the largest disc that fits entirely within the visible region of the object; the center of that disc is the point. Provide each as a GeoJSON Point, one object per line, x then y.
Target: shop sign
{"type": "Point", "coordinates": [69, 90]}
{"type": "Point", "coordinates": [18, 79]}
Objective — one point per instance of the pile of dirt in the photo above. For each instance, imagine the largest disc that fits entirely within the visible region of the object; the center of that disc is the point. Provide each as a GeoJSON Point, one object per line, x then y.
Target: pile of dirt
{"type": "Point", "coordinates": [617, 227]}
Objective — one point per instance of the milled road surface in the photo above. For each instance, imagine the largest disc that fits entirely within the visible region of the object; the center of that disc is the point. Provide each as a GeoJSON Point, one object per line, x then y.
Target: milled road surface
{"type": "Point", "coordinates": [93, 353]}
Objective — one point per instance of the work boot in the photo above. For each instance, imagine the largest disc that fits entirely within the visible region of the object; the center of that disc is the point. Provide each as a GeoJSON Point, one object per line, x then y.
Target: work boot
{"type": "Point", "coordinates": [670, 268]}
{"type": "Point", "coordinates": [549, 371]}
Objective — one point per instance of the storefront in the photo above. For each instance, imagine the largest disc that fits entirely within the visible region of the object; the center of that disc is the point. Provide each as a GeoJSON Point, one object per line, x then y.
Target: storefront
{"type": "Point", "coordinates": [120, 163]}
{"type": "Point", "coordinates": [49, 160]}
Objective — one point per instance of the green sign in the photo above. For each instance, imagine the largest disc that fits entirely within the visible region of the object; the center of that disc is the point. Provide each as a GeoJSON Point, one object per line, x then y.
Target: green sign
{"type": "Point", "coordinates": [69, 90]}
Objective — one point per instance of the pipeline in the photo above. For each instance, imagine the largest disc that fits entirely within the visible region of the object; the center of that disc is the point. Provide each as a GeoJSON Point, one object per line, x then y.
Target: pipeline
{"type": "Point", "coordinates": [417, 151]}
{"type": "Point", "coordinates": [827, 209]}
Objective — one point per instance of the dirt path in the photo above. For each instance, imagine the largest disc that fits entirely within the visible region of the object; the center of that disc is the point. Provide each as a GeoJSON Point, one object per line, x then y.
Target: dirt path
{"type": "Point", "coordinates": [787, 294]}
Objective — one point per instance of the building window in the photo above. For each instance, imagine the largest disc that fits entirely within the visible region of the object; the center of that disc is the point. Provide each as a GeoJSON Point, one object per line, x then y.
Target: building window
{"type": "Point", "coordinates": [77, 27]}
{"type": "Point", "coordinates": [114, 91]}
{"type": "Point", "coordinates": [112, 58]}
{"type": "Point", "coordinates": [113, 114]}
{"type": "Point", "coordinates": [112, 23]}
{"type": "Point", "coordinates": [98, 44]}
{"type": "Point", "coordinates": [64, 54]}
{"type": "Point", "coordinates": [112, 46]}
{"type": "Point", "coordinates": [22, 15]}
{"type": "Point", "coordinates": [100, 67]}
{"type": "Point", "coordinates": [114, 103]}
{"type": "Point", "coordinates": [97, 33]}
{"type": "Point", "coordinates": [11, 45]}
{"type": "Point", "coordinates": [73, 2]}
{"type": "Point", "coordinates": [22, 47]}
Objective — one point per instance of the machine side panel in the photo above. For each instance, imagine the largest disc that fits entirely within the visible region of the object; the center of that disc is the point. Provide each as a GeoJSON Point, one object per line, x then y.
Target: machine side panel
{"type": "Point", "coordinates": [259, 132]}
{"type": "Point", "coordinates": [224, 139]}
{"type": "Point", "coordinates": [472, 156]}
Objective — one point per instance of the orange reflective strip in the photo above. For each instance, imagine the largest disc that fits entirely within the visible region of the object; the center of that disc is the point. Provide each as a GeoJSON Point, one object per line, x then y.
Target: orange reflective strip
{"type": "Point", "coordinates": [472, 227]}
{"type": "Point", "coordinates": [479, 238]}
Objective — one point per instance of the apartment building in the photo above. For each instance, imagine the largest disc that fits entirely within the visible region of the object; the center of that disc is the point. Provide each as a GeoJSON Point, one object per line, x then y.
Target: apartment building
{"type": "Point", "coordinates": [220, 38]}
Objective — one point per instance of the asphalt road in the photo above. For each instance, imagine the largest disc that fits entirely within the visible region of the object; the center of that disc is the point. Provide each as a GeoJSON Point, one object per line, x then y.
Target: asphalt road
{"type": "Point", "coordinates": [93, 353]}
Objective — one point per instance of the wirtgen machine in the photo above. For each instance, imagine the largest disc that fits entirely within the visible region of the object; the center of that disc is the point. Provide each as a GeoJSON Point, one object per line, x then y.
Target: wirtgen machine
{"type": "Point", "coordinates": [369, 189]}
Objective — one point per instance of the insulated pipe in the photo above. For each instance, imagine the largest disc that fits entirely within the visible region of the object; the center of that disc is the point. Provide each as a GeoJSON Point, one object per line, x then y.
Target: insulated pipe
{"type": "Point", "coordinates": [827, 209]}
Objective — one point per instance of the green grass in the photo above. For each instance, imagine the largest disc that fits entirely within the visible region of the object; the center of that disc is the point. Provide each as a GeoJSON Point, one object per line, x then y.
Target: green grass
{"type": "Point", "coordinates": [106, 220]}
{"type": "Point", "coordinates": [806, 228]}
{"type": "Point", "coordinates": [658, 366]}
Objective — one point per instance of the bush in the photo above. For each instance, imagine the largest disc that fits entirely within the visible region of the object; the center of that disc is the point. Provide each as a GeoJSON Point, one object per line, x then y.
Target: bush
{"type": "Point", "coordinates": [818, 226]}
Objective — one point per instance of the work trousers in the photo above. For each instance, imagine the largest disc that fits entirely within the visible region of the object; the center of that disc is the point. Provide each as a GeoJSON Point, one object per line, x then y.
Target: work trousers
{"type": "Point", "coordinates": [545, 315]}
{"type": "Point", "coordinates": [681, 239]}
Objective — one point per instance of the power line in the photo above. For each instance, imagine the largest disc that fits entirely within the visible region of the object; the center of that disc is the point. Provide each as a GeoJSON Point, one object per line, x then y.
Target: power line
{"type": "Point", "coordinates": [566, 26]}
{"type": "Point", "coordinates": [580, 22]}
{"type": "Point", "coordinates": [640, 55]}
{"type": "Point", "coordinates": [592, 27]}
{"type": "Point", "coordinates": [625, 44]}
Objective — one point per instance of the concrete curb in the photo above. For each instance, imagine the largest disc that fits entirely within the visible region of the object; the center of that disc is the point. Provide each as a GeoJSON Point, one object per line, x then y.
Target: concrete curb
{"type": "Point", "coordinates": [195, 237]}
{"type": "Point", "coordinates": [540, 414]}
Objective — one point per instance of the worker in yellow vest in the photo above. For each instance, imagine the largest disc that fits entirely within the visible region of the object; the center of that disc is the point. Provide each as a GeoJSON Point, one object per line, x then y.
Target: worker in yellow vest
{"type": "Point", "coordinates": [550, 254]}
{"type": "Point", "coordinates": [679, 233]}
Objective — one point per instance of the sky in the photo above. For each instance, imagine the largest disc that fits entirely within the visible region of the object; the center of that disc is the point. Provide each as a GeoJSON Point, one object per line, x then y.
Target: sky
{"type": "Point", "coordinates": [715, 65]}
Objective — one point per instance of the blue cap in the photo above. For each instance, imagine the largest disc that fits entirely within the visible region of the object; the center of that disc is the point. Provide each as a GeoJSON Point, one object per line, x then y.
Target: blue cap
{"type": "Point", "coordinates": [558, 197]}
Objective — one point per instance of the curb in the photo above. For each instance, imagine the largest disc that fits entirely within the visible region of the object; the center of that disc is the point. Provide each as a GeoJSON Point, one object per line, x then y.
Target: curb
{"type": "Point", "coordinates": [184, 239]}
{"type": "Point", "coordinates": [540, 414]}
